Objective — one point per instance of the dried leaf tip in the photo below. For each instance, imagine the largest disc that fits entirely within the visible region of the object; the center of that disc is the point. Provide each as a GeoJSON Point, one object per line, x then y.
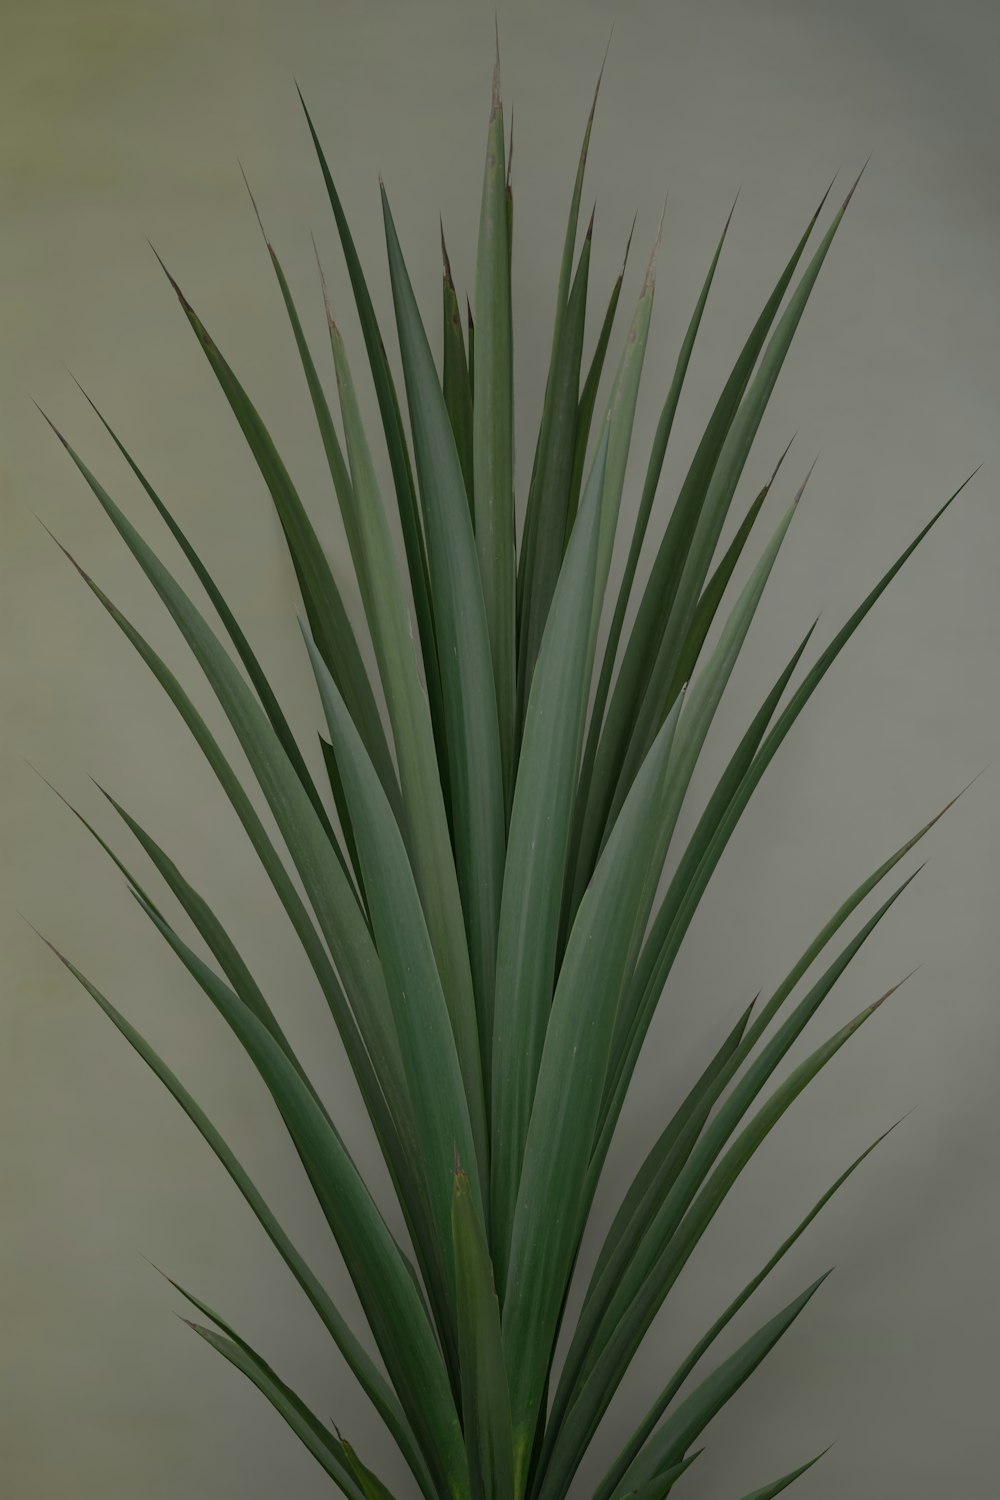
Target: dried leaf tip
{"type": "Point", "coordinates": [650, 277]}
{"type": "Point", "coordinates": [510, 147]}
{"type": "Point", "coordinates": [801, 489]}
{"type": "Point", "coordinates": [180, 295]}
{"type": "Point", "coordinates": [497, 103]}
{"type": "Point", "coordinates": [445, 262]}
{"type": "Point", "coordinates": [889, 992]}
{"type": "Point", "coordinates": [331, 324]}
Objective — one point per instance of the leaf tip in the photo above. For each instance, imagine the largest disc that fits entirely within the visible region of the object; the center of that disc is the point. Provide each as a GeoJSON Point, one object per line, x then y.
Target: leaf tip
{"type": "Point", "coordinates": [650, 278]}
{"type": "Point", "coordinates": [253, 204]}
{"type": "Point", "coordinates": [446, 263]}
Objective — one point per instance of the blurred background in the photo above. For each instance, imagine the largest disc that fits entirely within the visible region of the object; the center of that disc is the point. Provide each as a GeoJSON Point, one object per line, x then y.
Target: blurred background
{"type": "Point", "coordinates": [121, 119]}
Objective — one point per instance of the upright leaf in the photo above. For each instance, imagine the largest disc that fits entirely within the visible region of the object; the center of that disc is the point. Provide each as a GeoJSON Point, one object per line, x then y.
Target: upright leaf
{"type": "Point", "coordinates": [548, 498]}
{"type": "Point", "coordinates": [536, 858]}
{"type": "Point", "coordinates": [440, 1109]}
{"type": "Point", "coordinates": [551, 1202]}
{"type": "Point", "coordinates": [392, 424]}
{"type": "Point", "coordinates": [493, 431]}
{"type": "Point", "coordinates": [485, 1397]}
{"type": "Point", "coordinates": [424, 822]}
{"type": "Point", "coordinates": [463, 642]}
{"type": "Point", "coordinates": [455, 378]}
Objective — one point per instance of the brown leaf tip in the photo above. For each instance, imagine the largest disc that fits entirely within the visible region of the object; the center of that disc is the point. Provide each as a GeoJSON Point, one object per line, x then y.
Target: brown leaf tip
{"type": "Point", "coordinates": [446, 263]}
{"type": "Point", "coordinates": [496, 103]}
{"type": "Point", "coordinates": [801, 489]}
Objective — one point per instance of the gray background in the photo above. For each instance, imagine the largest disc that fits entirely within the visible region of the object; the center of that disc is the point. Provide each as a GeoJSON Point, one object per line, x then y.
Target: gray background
{"type": "Point", "coordinates": [121, 119]}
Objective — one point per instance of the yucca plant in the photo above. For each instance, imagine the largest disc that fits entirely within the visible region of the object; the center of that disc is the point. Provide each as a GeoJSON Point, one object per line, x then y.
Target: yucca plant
{"type": "Point", "coordinates": [478, 876]}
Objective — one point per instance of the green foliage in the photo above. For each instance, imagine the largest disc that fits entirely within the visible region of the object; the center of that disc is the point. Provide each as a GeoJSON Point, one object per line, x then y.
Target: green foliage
{"type": "Point", "coordinates": [479, 889]}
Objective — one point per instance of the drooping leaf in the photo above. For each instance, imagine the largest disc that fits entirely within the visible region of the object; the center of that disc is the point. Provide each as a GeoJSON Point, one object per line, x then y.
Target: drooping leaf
{"type": "Point", "coordinates": [385, 1284]}
{"type": "Point", "coordinates": [320, 595]}
{"type": "Point", "coordinates": [371, 1380]}
{"type": "Point", "coordinates": [306, 1426]}
{"type": "Point", "coordinates": [244, 650]}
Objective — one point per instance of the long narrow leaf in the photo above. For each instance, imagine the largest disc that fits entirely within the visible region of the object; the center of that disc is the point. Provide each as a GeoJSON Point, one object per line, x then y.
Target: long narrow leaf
{"type": "Point", "coordinates": [493, 431]}
{"type": "Point", "coordinates": [662, 436]}
{"type": "Point", "coordinates": [716, 828]}
{"type": "Point", "coordinates": [392, 424]}
{"type": "Point", "coordinates": [385, 1284]}
{"type": "Point", "coordinates": [456, 381]}
{"type": "Point", "coordinates": [536, 859]}
{"type": "Point", "coordinates": [548, 498]}
{"type": "Point", "coordinates": [658, 1219]}
{"type": "Point", "coordinates": [320, 595]}
{"type": "Point", "coordinates": [231, 625]}
{"type": "Point", "coordinates": [485, 1396]}
{"type": "Point", "coordinates": [617, 1471]}
{"type": "Point", "coordinates": [670, 567]}
{"type": "Point", "coordinates": [425, 820]}
{"type": "Point", "coordinates": [371, 1380]}
{"type": "Point", "coordinates": [768, 1491]}
{"type": "Point", "coordinates": [631, 1312]}
{"type": "Point", "coordinates": [726, 473]}
{"type": "Point", "coordinates": [671, 1441]}
{"type": "Point", "coordinates": [305, 1424]}
{"type": "Point", "coordinates": [551, 1204]}
{"type": "Point", "coordinates": [430, 1058]}
{"type": "Point", "coordinates": [463, 642]}
{"type": "Point", "coordinates": [588, 395]}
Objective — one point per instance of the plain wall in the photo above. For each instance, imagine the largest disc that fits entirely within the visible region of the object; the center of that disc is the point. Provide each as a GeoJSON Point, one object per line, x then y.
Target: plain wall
{"type": "Point", "coordinates": [120, 120]}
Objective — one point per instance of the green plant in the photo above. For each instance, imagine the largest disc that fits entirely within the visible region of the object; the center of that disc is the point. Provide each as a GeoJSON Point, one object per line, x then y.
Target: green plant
{"type": "Point", "coordinates": [483, 906]}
